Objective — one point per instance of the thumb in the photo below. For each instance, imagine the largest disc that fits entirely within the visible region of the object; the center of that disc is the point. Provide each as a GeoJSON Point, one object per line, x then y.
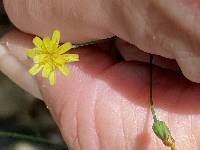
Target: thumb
{"type": "Point", "coordinates": [103, 104]}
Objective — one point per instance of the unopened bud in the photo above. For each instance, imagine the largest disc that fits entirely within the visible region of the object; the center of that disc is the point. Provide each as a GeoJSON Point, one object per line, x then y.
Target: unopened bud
{"type": "Point", "coordinates": [162, 132]}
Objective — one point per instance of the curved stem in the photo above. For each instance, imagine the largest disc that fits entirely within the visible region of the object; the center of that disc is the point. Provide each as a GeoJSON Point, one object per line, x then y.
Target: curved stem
{"type": "Point", "coordinates": [33, 139]}
{"type": "Point", "coordinates": [77, 45]}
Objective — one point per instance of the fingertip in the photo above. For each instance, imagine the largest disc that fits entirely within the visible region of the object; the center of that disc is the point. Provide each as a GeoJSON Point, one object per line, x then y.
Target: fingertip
{"type": "Point", "coordinates": [15, 70]}
{"type": "Point", "coordinates": [190, 68]}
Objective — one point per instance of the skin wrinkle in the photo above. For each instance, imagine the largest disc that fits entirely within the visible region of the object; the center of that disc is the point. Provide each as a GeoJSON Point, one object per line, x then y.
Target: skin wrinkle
{"type": "Point", "coordinates": [192, 138]}
{"type": "Point", "coordinates": [94, 116]}
{"type": "Point", "coordinates": [197, 136]}
{"type": "Point", "coordinates": [185, 128]}
{"type": "Point", "coordinates": [62, 112]}
{"type": "Point", "coordinates": [193, 131]}
{"type": "Point", "coordinates": [77, 128]}
{"type": "Point", "coordinates": [123, 126]}
{"type": "Point", "coordinates": [57, 116]}
{"type": "Point", "coordinates": [137, 132]}
{"type": "Point", "coordinates": [133, 112]}
{"type": "Point", "coordinates": [91, 122]}
{"type": "Point", "coordinates": [109, 69]}
{"type": "Point", "coordinates": [60, 116]}
{"type": "Point", "coordinates": [99, 73]}
{"type": "Point", "coordinates": [121, 129]}
{"type": "Point", "coordinates": [130, 141]}
{"type": "Point", "coordinates": [77, 120]}
{"type": "Point", "coordinates": [136, 122]}
{"type": "Point", "coordinates": [96, 125]}
{"type": "Point", "coordinates": [115, 135]}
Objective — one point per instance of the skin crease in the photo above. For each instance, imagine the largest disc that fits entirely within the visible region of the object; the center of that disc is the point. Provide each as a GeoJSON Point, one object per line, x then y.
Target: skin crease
{"type": "Point", "coordinates": [120, 120]}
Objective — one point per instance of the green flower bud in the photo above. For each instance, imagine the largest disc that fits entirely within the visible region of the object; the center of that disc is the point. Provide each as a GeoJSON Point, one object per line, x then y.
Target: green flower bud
{"type": "Point", "coordinates": [162, 131]}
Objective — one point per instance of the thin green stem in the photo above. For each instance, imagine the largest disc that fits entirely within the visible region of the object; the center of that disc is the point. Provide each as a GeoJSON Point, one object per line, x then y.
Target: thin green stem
{"type": "Point", "coordinates": [151, 88]}
{"type": "Point", "coordinates": [92, 42]}
{"type": "Point", "coordinates": [33, 139]}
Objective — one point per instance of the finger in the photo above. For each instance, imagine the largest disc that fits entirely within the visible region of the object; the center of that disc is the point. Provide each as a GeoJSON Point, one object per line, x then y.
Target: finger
{"type": "Point", "coordinates": [158, 27]}
{"type": "Point", "coordinates": [15, 70]}
{"type": "Point", "coordinates": [104, 104]}
{"type": "Point", "coordinates": [161, 28]}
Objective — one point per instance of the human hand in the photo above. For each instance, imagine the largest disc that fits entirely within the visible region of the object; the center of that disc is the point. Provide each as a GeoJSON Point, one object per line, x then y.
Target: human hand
{"type": "Point", "coordinates": [103, 104]}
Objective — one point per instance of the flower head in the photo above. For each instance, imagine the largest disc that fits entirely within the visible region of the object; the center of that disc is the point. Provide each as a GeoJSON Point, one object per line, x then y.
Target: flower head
{"type": "Point", "coordinates": [163, 133]}
{"type": "Point", "coordinates": [48, 56]}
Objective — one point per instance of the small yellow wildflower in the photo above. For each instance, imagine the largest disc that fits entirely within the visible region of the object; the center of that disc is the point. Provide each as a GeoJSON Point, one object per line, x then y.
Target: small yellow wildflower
{"type": "Point", "coordinates": [48, 56]}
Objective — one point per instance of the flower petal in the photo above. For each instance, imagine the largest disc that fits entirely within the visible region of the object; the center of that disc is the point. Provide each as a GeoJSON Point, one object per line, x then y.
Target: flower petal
{"type": "Point", "coordinates": [64, 69]}
{"type": "Point", "coordinates": [38, 42]}
{"type": "Point", "coordinates": [35, 69]}
{"type": "Point", "coordinates": [46, 71]}
{"type": "Point", "coordinates": [59, 61]}
{"type": "Point", "coordinates": [31, 52]}
{"type": "Point", "coordinates": [65, 47]}
{"type": "Point", "coordinates": [56, 37]}
{"type": "Point", "coordinates": [40, 58]}
{"type": "Point", "coordinates": [47, 42]}
{"type": "Point", "coordinates": [52, 78]}
{"type": "Point", "coordinates": [71, 57]}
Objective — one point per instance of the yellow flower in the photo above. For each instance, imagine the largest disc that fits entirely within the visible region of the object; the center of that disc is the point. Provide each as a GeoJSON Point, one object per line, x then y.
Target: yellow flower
{"type": "Point", "coordinates": [48, 56]}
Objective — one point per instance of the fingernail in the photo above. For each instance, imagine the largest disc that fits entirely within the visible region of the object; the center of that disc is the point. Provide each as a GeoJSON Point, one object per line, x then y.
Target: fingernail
{"type": "Point", "coordinates": [16, 71]}
{"type": "Point", "coordinates": [190, 67]}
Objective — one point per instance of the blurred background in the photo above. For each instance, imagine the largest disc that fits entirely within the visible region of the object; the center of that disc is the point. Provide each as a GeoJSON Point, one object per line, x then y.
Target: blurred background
{"type": "Point", "coordinates": [23, 114]}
